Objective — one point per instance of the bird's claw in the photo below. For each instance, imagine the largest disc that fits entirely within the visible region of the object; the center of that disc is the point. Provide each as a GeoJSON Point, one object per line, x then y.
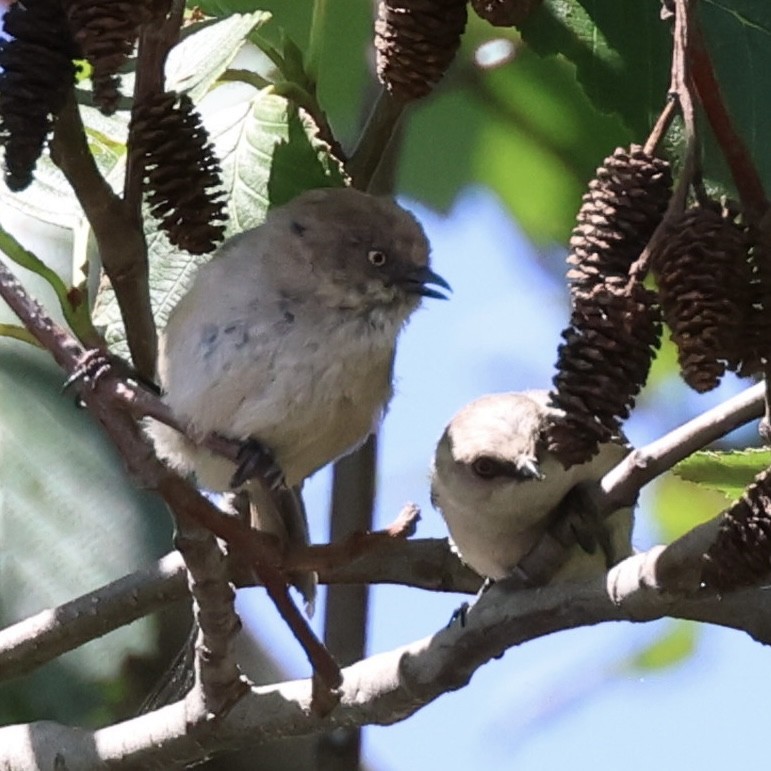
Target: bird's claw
{"type": "Point", "coordinates": [459, 615]}
{"type": "Point", "coordinates": [93, 365]}
{"type": "Point", "coordinates": [254, 459]}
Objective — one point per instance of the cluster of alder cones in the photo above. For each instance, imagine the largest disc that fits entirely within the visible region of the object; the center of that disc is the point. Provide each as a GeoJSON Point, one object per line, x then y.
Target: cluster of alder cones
{"type": "Point", "coordinates": [711, 276]}
{"type": "Point", "coordinates": [37, 74]}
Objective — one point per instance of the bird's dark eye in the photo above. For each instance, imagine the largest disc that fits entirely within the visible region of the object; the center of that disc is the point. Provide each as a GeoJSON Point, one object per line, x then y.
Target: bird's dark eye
{"type": "Point", "coordinates": [377, 258]}
{"type": "Point", "coordinates": [486, 467]}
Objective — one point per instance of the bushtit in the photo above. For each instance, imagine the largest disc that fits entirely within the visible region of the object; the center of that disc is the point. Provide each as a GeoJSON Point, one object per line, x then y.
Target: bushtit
{"type": "Point", "coordinates": [287, 336]}
{"type": "Point", "coordinates": [498, 488]}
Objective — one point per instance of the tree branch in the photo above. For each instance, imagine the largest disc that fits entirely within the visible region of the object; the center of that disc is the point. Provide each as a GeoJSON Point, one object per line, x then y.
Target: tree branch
{"type": "Point", "coordinates": [391, 686]}
{"type": "Point", "coordinates": [118, 233]}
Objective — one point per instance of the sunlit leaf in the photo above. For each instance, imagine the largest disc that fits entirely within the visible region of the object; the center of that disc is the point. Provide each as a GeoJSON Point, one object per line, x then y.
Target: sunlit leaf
{"type": "Point", "coordinates": [728, 472]}
{"type": "Point", "coordinates": [194, 65]}
{"type": "Point", "coordinates": [679, 506]}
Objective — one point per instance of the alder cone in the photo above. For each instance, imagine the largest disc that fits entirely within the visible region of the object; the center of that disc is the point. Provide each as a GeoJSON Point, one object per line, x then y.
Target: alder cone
{"type": "Point", "coordinates": [36, 75]}
{"type": "Point", "coordinates": [602, 365]}
{"type": "Point", "coordinates": [703, 275]}
{"type": "Point", "coordinates": [182, 176]}
{"type": "Point", "coordinates": [415, 43]}
{"type": "Point", "coordinates": [615, 324]}
{"type": "Point", "coordinates": [624, 204]}
{"type": "Point", "coordinates": [106, 31]}
{"type": "Point", "coordinates": [741, 553]}
{"type": "Point", "coordinates": [504, 13]}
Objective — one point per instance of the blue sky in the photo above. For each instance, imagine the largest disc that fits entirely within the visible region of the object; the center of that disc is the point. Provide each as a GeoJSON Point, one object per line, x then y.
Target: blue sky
{"type": "Point", "coordinates": [566, 696]}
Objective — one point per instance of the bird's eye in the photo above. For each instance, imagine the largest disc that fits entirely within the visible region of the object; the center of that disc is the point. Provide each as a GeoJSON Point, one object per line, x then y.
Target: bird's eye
{"type": "Point", "coordinates": [486, 467]}
{"type": "Point", "coordinates": [377, 258]}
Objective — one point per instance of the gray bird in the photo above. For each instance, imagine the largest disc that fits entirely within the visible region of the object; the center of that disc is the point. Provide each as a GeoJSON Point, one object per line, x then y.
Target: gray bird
{"type": "Point", "coordinates": [287, 337]}
{"type": "Point", "coordinates": [497, 487]}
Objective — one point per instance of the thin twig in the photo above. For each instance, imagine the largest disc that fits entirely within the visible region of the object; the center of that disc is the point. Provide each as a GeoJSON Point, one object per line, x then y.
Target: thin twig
{"type": "Point", "coordinates": [46, 635]}
{"type": "Point", "coordinates": [680, 94]}
{"type": "Point", "coordinates": [660, 128]}
{"type": "Point", "coordinates": [374, 139]}
{"type": "Point", "coordinates": [622, 484]}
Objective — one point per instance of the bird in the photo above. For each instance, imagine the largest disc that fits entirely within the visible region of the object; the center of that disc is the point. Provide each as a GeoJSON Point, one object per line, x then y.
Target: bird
{"type": "Point", "coordinates": [285, 341]}
{"type": "Point", "coordinates": [498, 488]}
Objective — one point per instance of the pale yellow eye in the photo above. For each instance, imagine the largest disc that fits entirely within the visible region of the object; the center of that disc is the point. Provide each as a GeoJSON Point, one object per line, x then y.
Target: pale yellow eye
{"type": "Point", "coordinates": [377, 258]}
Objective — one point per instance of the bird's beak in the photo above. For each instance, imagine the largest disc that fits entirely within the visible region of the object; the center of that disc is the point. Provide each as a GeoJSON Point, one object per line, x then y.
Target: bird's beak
{"type": "Point", "coordinates": [531, 468]}
{"type": "Point", "coordinates": [415, 283]}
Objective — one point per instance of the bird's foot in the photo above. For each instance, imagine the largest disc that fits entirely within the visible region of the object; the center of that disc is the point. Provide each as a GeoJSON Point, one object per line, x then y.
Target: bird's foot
{"type": "Point", "coordinates": [255, 459]}
{"type": "Point", "coordinates": [460, 614]}
{"type": "Point", "coordinates": [93, 365]}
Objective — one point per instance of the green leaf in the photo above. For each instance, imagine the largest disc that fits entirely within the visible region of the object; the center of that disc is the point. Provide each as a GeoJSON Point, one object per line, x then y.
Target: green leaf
{"type": "Point", "coordinates": [728, 472]}
{"type": "Point", "coordinates": [526, 130]}
{"type": "Point", "coordinates": [680, 505]}
{"type": "Point", "coordinates": [622, 52]}
{"type": "Point", "coordinates": [71, 302]}
{"type": "Point", "coordinates": [738, 34]}
{"type": "Point", "coordinates": [196, 63]}
{"type": "Point", "coordinates": [49, 198]}
{"type": "Point", "coordinates": [18, 333]}
{"type": "Point", "coordinates": [71, 519]}
{"type": "Point", "coordinates": [672, 648]}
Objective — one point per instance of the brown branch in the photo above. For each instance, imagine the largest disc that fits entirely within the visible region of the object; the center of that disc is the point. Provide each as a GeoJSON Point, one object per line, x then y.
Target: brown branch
{"type": "Point", "coordinates": [680, 96]}
{"type": "Point", "coordinates": [424, 563]}
{"type": "Point", "coordinates": [663, 122]}
{"type": "Point", "coordinates": [217, 675]}
{"type": "Point", "coordinates": [389, 686]}
{"type": "Point", "coordinates": [122, 247]}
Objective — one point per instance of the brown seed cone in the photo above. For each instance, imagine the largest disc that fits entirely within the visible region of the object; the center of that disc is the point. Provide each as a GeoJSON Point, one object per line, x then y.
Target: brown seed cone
{"type": "Point", "coordinates": [181, 171]}
{"type": "Point", "coordinates": [601, 366]}
{"type": "Point", "coordinates": [416, 40]}
{"type": "Point", "coordinates": [504, 13]}
{"type": "Point", "coordinates": [703, 275]}
{"type": "Point", "coordinates": [623, 206]}
{"type": "Point", "coordinates": [107, 32]}
{"type": "Point", "coordinates": [36, 74]}
{"type": "Point", "coordinates": [741, 553]}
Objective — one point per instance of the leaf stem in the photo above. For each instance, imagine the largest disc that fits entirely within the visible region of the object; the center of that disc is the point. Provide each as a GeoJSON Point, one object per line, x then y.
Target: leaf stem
{"type": "Point", "coordinates": [374, 139]}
